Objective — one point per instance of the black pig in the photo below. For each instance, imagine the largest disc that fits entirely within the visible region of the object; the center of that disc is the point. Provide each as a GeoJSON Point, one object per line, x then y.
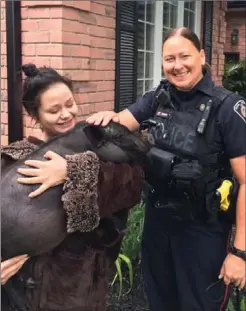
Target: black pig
{"type": "Point", "coordinates": [35, 226]}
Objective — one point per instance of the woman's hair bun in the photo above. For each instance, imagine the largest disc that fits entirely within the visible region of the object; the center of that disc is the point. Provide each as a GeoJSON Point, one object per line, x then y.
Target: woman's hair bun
{"type": "Point", "coordinates": [30, 70]}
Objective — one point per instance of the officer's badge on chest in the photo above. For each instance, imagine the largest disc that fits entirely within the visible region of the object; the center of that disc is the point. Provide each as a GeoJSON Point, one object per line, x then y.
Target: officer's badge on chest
{"type": "Point", "coordinates": [240, 109]}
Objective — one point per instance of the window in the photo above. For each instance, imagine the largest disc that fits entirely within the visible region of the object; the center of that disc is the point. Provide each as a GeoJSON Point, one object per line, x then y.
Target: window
{"type": "Point", "coordinates": [146, 29]}
{"type": "Point", "coordinates": [232, 57]}
{"type": "Point", "coordinates": [155, 18]}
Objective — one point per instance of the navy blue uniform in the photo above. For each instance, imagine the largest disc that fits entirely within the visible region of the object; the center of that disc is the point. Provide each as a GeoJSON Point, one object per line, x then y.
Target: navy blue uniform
{"type": "Point", "coordinates": [182, 260]}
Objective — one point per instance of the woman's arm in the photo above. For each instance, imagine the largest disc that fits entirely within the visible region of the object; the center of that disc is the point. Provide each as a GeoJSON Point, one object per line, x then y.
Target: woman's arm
{"type": "Point", "coordinates": [92, 189]}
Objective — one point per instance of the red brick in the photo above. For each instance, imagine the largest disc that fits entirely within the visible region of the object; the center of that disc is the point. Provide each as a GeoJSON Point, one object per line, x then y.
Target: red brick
{"type": "Point", "coordinates": [87, 18]}
{"type": "Point", "coordinates": [39, 37]}
{"type": "Point", "coordinates": [3, 72]}
{"type": "Point", "coordinates": [78, 75]}
{"type": "Point", "coordinates": [4, 117]}
{"type": "Point", "coordinates": [103, 43]}
{"type": "Point", "coordinates": [104, 85]}
{"type": "Point", "coordinates": [105, 21]}
{"type": "Point", "coordinates": [110, 3]}
{"type": "Point", "coordinates": [70, 63]}
{"type": "Point", "coordinates": [82, 98]}
{"type": "Point", "coordinates": [49, 49]}
{"type": "Point", "coordinates": [81, 5]}
{"type": "Point", "coordinates": [98, 8]}
{"type": "Point", "coordinates": [4, 140]}
{"type": "Point", "coordinates": [76, 51]}
{"type": "Point", "coordinates": [104, 106]}
{"type": "Point", "coordinates": [74, 26]}
{"type": "Point", "coordinates": [56, 12]}
{"type": "Point", "coordinates": [28, 49]}
{"type": "Point", "coordinates": [86, 109]}
{"type": "Point", "coordinates": [38, 61]}
{"type": "Point", "coordinates": [37, 3]}
{"type": "Point", "coordinates": [102, 65]}
{"type": "Point", "coordinates": [24, 13]}
{"type": "Point", "coordinates": [27, 25]}
{"type": "Point", "coordinates": [37, 13]}
{"type": "Point", "coordinates": [50, 24]}
{"type": "Point", "coordinates": [2, 13]}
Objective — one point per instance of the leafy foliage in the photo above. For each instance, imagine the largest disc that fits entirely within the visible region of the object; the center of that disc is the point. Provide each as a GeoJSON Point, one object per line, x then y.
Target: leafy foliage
{"type": "Point", "coordinates": [235, 77]}
{"type": "Point", "coordinates": [132, 241]}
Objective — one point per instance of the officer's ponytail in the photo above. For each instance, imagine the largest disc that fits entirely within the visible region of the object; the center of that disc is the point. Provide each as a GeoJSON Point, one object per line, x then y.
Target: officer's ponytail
{"type": "Point", "coordinates": [206, 67]}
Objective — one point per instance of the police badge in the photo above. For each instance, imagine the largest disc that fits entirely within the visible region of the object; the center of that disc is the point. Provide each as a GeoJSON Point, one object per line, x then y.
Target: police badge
{"type": "Point", "coordinates": [240, 109]}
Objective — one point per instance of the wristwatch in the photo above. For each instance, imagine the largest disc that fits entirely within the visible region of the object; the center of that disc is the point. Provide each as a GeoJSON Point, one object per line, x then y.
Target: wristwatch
{"type": "Point", "coordinates": [237, 252]}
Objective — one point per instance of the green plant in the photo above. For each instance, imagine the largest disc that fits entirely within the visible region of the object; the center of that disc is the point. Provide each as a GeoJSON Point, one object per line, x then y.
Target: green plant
{"type": "Point", "coordinates": [235, 77]}
{"type": "Point", "coordinates": [119, 274]}
{"type": "Point", "coordinates": [132, 241]}
{"type": "Point", "coordinates": [130, 249]}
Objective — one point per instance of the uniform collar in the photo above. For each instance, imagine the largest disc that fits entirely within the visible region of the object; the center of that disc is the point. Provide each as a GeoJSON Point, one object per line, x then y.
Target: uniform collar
{"type": "Point", "coordinates": [205, 86]}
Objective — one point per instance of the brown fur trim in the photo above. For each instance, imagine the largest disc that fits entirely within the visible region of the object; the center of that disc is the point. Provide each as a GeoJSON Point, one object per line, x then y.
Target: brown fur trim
{"type": "Point", "coordinates": [80, 197]}
{"type": "Point", "coordinates": [18, 150]}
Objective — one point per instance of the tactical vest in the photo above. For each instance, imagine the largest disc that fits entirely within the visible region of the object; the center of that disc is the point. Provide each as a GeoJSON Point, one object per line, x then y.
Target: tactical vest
{"type": "Point", "coordinates": [187, 161]}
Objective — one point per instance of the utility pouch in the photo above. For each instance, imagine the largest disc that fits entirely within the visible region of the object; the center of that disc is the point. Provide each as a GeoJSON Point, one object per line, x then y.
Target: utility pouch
{"type": "Point", "coordinates": [161, 163]}
{"type": "Point", "coordinates": [187, 171]}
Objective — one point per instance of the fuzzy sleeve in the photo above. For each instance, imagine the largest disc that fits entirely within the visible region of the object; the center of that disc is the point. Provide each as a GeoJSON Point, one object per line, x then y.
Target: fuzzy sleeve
{"type": "Point", "coordinates": [119, 187]}
{"type": "Point", "coordinates": [95, 189]}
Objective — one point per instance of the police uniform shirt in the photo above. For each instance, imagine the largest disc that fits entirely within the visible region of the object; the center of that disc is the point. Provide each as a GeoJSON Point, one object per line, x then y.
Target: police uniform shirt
{"type": "Point", "coordinates": [231, 118]}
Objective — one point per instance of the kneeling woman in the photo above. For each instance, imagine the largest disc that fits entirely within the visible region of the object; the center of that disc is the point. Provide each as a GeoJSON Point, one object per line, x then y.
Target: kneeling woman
{"type": "Point", "coordinates": [73, 276]}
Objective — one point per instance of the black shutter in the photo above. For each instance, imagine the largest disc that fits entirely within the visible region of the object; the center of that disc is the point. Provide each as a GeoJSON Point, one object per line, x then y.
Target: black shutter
{"type": "Point", "coordinates": [126, 54]}
{"type": "Point", "coordinates": [208, 30]}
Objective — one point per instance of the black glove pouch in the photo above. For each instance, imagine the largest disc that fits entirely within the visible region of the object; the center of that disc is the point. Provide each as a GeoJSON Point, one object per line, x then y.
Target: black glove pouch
{"type": "Point", "coordinates": [160, 163]}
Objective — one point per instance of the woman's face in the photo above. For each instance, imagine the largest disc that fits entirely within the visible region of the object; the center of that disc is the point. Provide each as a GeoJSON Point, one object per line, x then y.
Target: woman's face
{"type": "Point", "coordinates": [58, 110]}
{"type": "Point", "coordinates": [182, 63]}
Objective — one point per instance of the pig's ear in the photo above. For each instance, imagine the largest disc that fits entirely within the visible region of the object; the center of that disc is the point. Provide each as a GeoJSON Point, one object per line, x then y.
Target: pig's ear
{"type": "Point", "coordinates": [95, 135]}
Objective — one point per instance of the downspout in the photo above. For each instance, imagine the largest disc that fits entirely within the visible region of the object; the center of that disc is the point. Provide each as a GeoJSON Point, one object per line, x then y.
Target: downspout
{"type": "Point", "coordinates": [14, 62]}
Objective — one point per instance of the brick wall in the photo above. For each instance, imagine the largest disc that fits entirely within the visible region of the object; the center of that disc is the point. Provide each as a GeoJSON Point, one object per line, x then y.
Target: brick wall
{"type": "Point", "coordinates": [77, 38]}
{"type": "Point", "coordinates": [236, 19]}
{"type": "Point", "coordinates": [219, 37]}
{"type": "Point", "coordinates": [4, 105]}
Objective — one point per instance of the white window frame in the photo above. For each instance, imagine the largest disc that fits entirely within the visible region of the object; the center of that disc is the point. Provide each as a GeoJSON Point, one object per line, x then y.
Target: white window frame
{"type": "Point", "coordinates": [158, 32]}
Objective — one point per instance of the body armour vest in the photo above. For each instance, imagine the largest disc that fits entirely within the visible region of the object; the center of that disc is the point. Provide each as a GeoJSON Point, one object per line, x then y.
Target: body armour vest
{"type": "Point", "coordinates": [187, 163]}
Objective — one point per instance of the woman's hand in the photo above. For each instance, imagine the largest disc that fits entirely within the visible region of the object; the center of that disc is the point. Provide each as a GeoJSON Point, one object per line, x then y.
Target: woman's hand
{"type": "Point", "coordinates": [47, 173]}
{"type": "Point", "coordinates": [11, 266]}
{"type": "Point", "coordinates": [103, 118]}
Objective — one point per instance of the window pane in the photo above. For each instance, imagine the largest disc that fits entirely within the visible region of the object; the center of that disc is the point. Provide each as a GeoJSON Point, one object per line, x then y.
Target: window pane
{"type": "Point", "coordinates": [187, 5]}
{"type": "Point", "coordinates": [149, 63]}
{"type": "Point", "coordinates": [186, 18]}
{"type": "Point", "coordinates": [173, 15]}
{"type": "Point", "coordinates": [140, 89]}
{"type": "Point", "coordinates": [140, 36]}
{"type": "Point", "coordinates": [140, 65]}
{"type": "Point", "coordinates": [148, 85]}
{"type": "Point", "coordinates": [141, 10]}
{"type": "Point", "coordinates": [150, 12]}
{"type": "Point", "coordinates": [192, 5]}
{"type": "Point", "coordinates": [166, 20]}
{"type": "Point", "coordinates": [164, 32]}
{"type": "Point", "coordinates": [150, 37]}
{"type": "Point", "coordinates": [192, 21]}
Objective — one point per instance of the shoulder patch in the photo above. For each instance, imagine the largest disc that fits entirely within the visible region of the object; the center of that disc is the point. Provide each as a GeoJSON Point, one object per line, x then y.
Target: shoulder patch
{"type": "Point", "coordinates": [240, 109]}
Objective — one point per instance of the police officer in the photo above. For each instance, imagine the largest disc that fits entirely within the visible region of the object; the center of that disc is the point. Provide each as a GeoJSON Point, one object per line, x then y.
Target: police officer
{"type": "Point", "coordinates": [200, 140]}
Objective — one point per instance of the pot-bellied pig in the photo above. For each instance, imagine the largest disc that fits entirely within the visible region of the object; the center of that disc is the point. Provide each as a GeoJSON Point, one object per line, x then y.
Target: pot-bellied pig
{"type": "Point", "coordinates": [35, 226]}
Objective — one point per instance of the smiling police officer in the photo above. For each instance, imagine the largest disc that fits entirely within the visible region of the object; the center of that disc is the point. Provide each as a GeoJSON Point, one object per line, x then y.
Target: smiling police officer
{"type": "Point", "coordinates": [199, 136]}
